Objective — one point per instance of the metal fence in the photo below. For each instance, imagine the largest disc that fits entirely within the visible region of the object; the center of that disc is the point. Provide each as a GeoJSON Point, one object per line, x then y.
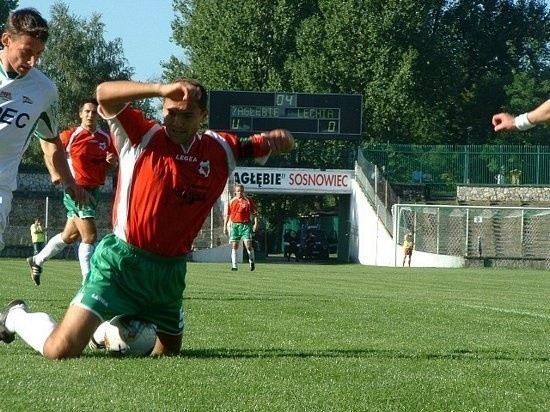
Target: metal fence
{"type": "Point", "coordinates": [442, 167]}
{"type": "Point", "coordinates": [504, 236]}
{"type": "Point", "coordinates": [378, 191]}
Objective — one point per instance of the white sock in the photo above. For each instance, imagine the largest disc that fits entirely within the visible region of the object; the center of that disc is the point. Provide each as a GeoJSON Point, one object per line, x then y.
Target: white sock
{"type": "Point", "coordinates": [251, 255]}
{"type": "Point", "coordinates": [85, 251]}
{"type": "Point", "coordinates": [52, 248]}
{"type": "Point", "coordinates": [234, 258]}
{"type": "Point", "coordinates": [33, 328]}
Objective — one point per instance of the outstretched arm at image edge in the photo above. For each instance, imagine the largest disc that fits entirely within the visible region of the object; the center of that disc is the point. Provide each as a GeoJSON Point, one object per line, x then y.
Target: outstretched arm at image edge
{"type": "Point", "coordinates": [525, 121]}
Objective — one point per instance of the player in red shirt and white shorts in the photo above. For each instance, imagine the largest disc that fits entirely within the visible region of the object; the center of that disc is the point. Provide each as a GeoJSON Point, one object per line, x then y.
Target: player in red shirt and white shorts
{"type": "Point", "coordinates": [170, 176]}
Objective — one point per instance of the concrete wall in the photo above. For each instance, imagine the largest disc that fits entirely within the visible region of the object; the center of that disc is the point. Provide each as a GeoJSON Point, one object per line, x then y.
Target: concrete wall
{"type": "Point", "coordinates": [502, 193]}
{"type": "Point", "coordinates": [40, 182]}
{"type": "Point", "coordinates": [219, 254]}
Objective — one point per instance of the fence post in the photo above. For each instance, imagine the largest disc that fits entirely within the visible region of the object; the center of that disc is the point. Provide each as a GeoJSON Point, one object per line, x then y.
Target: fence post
{"type": "Point", "coordinates": [537, 174]}
{"type": "Point", "coordinates": [466, 165]}
{"type": "Point", "coordinates": [46, 219]}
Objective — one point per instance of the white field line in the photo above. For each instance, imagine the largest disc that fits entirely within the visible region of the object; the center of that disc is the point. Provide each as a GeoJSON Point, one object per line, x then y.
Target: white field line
{"type": "Point", "coordinates": [514, 311]}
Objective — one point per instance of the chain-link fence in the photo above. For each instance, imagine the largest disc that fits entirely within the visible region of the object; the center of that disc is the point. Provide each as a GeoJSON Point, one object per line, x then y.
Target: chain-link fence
{"type": "Point", "coordinates": [490, 232]}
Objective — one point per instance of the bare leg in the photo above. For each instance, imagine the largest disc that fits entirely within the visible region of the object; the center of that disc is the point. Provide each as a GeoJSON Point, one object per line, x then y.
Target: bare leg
{"type": "Point", "coordinates": [167, 344]}
{"type": "Point", "coordinates": [72, 335]}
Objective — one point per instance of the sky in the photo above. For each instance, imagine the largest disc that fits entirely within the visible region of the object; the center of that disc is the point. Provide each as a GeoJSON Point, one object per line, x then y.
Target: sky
{"type": "Point", "coordinates": [142, 25]}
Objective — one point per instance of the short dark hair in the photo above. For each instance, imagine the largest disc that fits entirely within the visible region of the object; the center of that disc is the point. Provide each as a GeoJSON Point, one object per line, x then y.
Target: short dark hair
{"type": "Point", "coordinates": [90, 100]}
{"type": "Point", "coordinates": [27, 21]}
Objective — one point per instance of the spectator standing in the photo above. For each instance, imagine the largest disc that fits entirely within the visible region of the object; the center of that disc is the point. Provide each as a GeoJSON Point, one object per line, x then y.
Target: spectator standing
{"type": "Point", "coordinates": [310, 245]}
{"type": "Point", "coordinates": [37, 235]}
{"type": "Point", "coordinates": [500, 177]}
{"type": "Point", "coordinates": [408, 246]}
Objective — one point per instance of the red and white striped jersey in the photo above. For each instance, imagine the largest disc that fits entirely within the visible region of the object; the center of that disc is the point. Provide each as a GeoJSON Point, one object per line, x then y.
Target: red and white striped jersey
{"type": "Point", "coordinates": [87, 154]}
{"type": "Point", "coordinates": [240, 210]}
{"type": "Point", "coordinates": [165, 191]}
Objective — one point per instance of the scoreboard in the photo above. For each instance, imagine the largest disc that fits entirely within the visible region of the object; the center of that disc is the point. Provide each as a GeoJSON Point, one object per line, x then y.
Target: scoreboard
{"type": "Point", "coordinates": [306, 116]}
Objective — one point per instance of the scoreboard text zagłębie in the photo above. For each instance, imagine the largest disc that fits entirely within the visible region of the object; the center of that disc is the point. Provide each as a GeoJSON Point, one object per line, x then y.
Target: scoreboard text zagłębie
{"type": "Point", "coordinates": [311, 116]}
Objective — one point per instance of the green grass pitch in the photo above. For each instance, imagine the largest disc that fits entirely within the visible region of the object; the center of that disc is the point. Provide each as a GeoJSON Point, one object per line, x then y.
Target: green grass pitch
{"type": "Point", "coordinates": [306, 337]}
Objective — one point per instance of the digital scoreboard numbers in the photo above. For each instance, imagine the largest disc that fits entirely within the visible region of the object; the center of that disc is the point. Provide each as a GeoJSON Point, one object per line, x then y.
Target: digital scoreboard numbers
{"type": "Point", "coordinates": [307, 116]}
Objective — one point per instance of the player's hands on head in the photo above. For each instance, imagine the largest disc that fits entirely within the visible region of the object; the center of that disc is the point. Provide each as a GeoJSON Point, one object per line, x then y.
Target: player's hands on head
{"type": "Point", "coordinates": [181, 90]}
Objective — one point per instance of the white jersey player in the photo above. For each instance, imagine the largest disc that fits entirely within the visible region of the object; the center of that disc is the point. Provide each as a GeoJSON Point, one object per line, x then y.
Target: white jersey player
{"type": "Point", "coordinates": [28, 105]}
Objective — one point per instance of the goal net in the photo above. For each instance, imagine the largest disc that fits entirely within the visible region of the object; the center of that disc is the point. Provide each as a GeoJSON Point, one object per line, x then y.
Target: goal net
{"type": "Point", "coordinates": [509, 236]}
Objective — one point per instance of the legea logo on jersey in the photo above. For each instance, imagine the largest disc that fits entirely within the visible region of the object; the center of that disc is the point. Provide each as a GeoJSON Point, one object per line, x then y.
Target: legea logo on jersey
{"type": "Point", "coordinates": [186, 158]}
{"type": "Point", "coordinates": [12, 116]}
{"type": "Point", "coordinates": [27, 100]}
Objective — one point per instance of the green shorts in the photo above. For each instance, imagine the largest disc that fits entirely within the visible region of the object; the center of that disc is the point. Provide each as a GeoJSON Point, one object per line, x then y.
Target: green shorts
{"type": "Point", "coordinates": [82, 212]}
{"type": "Point", "coordinates": [124, 279]}
{"type": "Point", "coordinates": [240, 231]}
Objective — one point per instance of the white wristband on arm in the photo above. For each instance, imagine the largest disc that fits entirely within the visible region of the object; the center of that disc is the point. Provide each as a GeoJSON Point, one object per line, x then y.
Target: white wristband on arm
{"type": "Point", "coordinates": [522, 122]}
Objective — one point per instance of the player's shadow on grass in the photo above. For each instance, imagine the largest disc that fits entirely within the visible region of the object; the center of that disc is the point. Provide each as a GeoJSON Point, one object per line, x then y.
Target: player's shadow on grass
{"type": "Point", "coordinates": [266, 296]}
{"type": "Point", "coordinates": [464, 354]}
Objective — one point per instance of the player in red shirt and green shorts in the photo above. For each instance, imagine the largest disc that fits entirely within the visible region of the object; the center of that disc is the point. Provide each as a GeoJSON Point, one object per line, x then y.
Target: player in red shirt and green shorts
{"type": "Point", "coordinates": [240, 210]}
{"type": "Point", "coordinates": [170, 176]}
{"type": "Point", "coordinates": [91, 154]}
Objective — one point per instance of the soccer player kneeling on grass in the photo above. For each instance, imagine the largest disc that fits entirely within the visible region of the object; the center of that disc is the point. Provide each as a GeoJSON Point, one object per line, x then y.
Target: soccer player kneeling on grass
{"type": "Point", "coordinates": [170, 176]}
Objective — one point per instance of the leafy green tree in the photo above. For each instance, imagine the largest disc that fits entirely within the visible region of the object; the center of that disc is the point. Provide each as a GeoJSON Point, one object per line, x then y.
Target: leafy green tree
{"type": "Point", "coordinates": [237, 45]}
{"type": "Point", "coordinates": [77, 59]}
{"type": "Point", "coordinates": [369, 48]}
{"type": "Point", "coordinates": [489, 41]}
{"type": "Point", "coordinates": [526, 91]}
{"type": "Point", "coordinates": [430, 72]}
{"type": "Point", "coordinates": [372, 47]}
{"type": "Point", "coordinates": [6, 7]}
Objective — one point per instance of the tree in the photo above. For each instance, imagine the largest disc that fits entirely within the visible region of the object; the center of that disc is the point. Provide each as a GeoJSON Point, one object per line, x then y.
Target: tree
{"type": "Point", "coordinates": [6, 7]}
{"type": "Point", "coordinates": [430, 71]}
{"type": "Point", "coordinates": [526, 91]}
{"type": "Point", "coordinates": [489, 43]}
{"type": "Point", "coordinates": [77, 59]}
{"type": "Point", "coordinates": [237, 45]}
{"type": "Point", "coordinates": [370, 48]}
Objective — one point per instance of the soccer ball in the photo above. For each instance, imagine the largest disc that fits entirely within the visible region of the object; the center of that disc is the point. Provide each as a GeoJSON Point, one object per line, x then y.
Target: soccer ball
{"type": "Point", "coordinates": [129, 336]}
